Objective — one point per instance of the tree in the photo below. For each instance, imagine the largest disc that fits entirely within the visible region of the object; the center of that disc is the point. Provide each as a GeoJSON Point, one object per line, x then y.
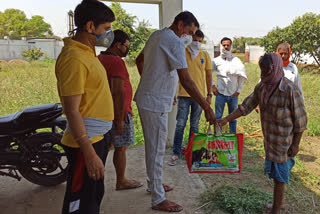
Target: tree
{"type": "Point", "coordinates": [37, 27]}
{"type": "Point", "coordinates": [15, 24]}
{"type": "Point", "coordinates": [303, 35]}
{"type": "Point", "coordinates": [306, 30]}
{"type": "Point", "coordinates": [239, 43]}
{"type": "Point", "coordinates": [138, 34]}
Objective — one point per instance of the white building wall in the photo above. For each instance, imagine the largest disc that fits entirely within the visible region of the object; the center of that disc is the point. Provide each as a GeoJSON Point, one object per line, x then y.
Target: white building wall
{"type": "Point", "coordinates": [13, 49]}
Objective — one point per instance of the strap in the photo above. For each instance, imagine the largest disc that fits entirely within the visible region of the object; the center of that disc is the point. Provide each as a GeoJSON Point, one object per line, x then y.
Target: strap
{"type": "Point", "coordinates": [217, 129]}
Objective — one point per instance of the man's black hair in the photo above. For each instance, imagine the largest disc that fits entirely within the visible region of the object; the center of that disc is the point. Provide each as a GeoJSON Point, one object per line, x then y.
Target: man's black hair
{"type": "Point", "coordinates": [187, 18]}
{"type": "Point", "coordinates": [265, 62]}
{"type": "Point", "coordinates": [226, 39]}
{"type": "Point", "coordinates": [119, 36]}
{"type": "Point", "coordinates": [92, 10]}
{"type": "Point", "coordinates": [199, 33]}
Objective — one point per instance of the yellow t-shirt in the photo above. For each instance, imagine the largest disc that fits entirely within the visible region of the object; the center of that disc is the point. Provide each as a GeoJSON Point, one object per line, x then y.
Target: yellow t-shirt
{"type": "Point", "coordinates": [79, 71]}
{"type": "Point", "coordinates": [197, 70]}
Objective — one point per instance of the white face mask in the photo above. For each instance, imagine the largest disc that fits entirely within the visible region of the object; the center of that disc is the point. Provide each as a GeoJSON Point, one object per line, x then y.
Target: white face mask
{"type": "Point", "coordinates": [194, 49]}
{"type": "Point", "coordinates": [195, 45]}
{"type": "Point", "coordinates": [224, 53]}
{"type": "Point", "coordinates": [186, 39]}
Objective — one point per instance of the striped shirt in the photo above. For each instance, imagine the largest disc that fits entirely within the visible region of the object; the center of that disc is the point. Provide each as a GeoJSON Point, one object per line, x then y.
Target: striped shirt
{"type": "Point", "coordinates": [284, 116]}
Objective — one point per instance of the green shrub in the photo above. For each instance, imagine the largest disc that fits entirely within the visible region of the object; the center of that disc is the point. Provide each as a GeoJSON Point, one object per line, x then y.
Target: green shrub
{"type": "Point", "coordinates": [32, 54]}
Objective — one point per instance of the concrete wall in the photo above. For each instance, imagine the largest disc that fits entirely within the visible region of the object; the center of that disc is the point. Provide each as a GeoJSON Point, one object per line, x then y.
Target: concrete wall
{"type": "Point", "coordinates": [255, 52]}
{"type": "Point", "coordinates": [12, 49]}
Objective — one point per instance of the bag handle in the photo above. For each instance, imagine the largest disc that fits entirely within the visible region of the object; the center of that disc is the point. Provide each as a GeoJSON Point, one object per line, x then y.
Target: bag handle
{"type": "Point", "coordinates": [217, 129]}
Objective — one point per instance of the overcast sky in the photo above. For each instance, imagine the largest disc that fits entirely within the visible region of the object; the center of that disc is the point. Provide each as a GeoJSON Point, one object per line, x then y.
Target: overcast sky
{"type": "Point", "coordinates": [218, 18]}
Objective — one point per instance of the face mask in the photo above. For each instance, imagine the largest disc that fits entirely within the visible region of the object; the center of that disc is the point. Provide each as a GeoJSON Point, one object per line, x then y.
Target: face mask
{"type": "Point", "coordinates": [194, 49]}
{"type": "Point", "coordinates": [186, 39]}
{"type": "Point", "coordinates": [195, 45]}
{"type": "Point", "coordinates": [105, 39]}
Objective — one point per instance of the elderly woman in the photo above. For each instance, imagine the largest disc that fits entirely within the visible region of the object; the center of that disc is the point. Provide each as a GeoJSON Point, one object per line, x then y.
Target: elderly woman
{"type": "Point", "coordinates": [283, 120]}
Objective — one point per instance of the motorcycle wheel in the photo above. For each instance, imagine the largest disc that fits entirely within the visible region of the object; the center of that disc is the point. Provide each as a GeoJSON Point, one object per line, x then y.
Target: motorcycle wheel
{"type": "Point", "coordinates": [44, 160]}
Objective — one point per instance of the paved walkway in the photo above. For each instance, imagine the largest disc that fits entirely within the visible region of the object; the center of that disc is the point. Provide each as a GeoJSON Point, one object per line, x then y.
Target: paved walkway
{"type": "Point", "coordinates": [26, 198]}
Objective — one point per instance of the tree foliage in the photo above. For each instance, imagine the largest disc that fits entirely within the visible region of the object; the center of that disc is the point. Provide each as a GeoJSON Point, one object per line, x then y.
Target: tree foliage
{"type": "Point", "coordinates": [239, 43]}
{"type": "Point", "coordinates": [15, 24]}
{"type": "Point", "coordinates": [138, 31]}
{"type": "Point", "coordinates": [303, 35]}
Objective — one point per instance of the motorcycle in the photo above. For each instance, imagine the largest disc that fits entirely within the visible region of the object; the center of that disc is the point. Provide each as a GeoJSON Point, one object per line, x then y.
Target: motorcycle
{"type": "Point", "coordinates": [30, 143]}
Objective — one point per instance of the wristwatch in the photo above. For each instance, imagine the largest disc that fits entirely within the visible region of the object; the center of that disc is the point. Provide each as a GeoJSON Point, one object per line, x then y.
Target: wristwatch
{"type": "Point", "coordinates": [210, 95]}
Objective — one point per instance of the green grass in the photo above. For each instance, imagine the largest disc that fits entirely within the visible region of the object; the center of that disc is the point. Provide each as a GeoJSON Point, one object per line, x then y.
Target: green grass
{"type": "Point", "coordinates": [34, 84]}
{"type": "Point", "coordinates": [236, 199]}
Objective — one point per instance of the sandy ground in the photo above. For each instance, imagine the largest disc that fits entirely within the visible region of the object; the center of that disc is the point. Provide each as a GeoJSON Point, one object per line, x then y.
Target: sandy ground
{"type": "Point", "coordinates": [23, 197]}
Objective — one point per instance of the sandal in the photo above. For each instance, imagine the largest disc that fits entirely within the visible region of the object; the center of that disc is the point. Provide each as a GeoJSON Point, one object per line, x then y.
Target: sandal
{"type": "Point", "coordinates": [171, 207]}
{"type": "Point", "coordinates": [133, 185]}
{"type": "Point", "coordinates": [166, 188]}
{"type": "Point", "coordinates": [173, 160]}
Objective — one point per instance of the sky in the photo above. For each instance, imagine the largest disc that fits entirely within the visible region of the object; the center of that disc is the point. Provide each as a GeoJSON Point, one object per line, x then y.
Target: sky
{"type": "Point", "coordinates": [218, 18]}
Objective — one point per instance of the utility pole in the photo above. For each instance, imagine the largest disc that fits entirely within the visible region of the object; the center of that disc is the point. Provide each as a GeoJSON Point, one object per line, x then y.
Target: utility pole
{"type": "Point", "coordinates": [71, 21]}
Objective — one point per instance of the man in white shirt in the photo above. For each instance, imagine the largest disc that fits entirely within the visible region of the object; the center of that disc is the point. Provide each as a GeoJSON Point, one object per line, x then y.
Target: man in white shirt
{"type": "Point", "coordinates": [160, 64]}
{"type": "Point", "coordinates": [231, 74]}
{"type": "Point", "coordinates": [290, 69]}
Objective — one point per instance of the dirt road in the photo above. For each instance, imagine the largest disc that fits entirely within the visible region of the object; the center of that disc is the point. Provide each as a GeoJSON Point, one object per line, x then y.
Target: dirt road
{"type": "Point", "coordinates": [26, 198]}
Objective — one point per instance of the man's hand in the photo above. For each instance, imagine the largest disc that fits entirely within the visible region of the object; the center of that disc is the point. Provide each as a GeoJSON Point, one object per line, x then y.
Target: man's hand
{"type": "Point", "coordinates": [293, 150]}
{"type": "Point", "coordinates": [119, 126]}
{"type": "Point", "coordinates": [236, 94]}
{"type": "Point", "coordinates": [222, 122]}
{"type": "Point", "coordinates": [175, 100]}
{"type": "Point", "coordinates": [209, 114]}
{"type": "Point", "coordinates": [214, 90]}
{"type": "Point", "coordinates": [94, 165]}
{"type": "Point", "coordinates": [209, 99]}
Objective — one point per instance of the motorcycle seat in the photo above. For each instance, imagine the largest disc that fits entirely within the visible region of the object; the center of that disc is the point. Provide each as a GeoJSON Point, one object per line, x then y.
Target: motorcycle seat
{"type": "Point", "coordinates": [7, 121]}
{"type": "Point", "coordinates": [36, 110]}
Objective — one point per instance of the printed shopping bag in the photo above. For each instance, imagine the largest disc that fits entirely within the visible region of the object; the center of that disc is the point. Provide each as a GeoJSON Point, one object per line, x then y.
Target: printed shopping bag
{"type": "Point", "coordinates": [211, 153]}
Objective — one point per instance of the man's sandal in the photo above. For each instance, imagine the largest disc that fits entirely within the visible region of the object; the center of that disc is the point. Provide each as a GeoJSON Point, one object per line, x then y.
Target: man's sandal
{"type": "Point", "coordinates": [171, 207]}
{"type": "Point", "coordinates": [173, 161]}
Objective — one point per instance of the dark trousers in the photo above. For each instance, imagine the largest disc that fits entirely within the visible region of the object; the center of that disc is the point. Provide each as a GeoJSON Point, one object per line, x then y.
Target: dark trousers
{"type": "Point", "coordinates": [83, 194]}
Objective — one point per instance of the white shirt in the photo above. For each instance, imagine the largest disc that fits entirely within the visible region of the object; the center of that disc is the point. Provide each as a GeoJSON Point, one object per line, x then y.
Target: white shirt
{"type": "Point", "coordinates": [163, 54]}
{"type": "Point", "coordinates": [231, 74]}
{"type": "Point", "coordinates": [291, 73]}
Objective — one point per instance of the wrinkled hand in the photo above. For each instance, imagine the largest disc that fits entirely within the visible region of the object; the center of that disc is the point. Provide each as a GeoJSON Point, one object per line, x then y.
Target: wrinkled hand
{"type": "Point", "coordinates": [175, 100]}
{"type": "Point", "coordinates": [293, 150]}
{"type": "Point", "coordinates": [257, 109]}
{"type": "Point", "coordinates": [119, 127]}
{"type": "Point", "coordinates": [236, 94]}
{"type": "Point", "coordinates": [209, 99]}
{"type": "Point", "coordinates": [214, 90]}
{"type": "Point", "coordinates": [95, 167]}
{"type": "Point", "coordinates": [210, 116]}
{"type": "Point", "coordinates": [222, 122]}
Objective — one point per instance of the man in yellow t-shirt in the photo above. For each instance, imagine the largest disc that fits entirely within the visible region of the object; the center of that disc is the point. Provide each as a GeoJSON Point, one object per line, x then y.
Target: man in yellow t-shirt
{"type": "Point", "coordinates": [200, 69]}
{"type": "Point", "coordinates": [87, 103]}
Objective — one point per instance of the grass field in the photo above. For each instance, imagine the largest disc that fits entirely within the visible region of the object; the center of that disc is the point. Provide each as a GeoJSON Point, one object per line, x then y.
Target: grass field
{"type": "Point", "coordinates": [33, 84]}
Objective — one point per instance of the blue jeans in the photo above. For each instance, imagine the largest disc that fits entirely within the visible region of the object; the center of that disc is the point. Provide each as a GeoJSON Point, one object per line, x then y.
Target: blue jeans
{"type": "Point", "coordinates": [232, 102]}
{"type": "Point", "coordinates": [184, 104]}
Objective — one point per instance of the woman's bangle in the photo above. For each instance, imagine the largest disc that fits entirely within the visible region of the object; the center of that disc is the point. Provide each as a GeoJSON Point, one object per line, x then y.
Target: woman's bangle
{"type": "Point", "coordinates": [79, 138]}
{"type": "Point", "coordinates": [206, 108]}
